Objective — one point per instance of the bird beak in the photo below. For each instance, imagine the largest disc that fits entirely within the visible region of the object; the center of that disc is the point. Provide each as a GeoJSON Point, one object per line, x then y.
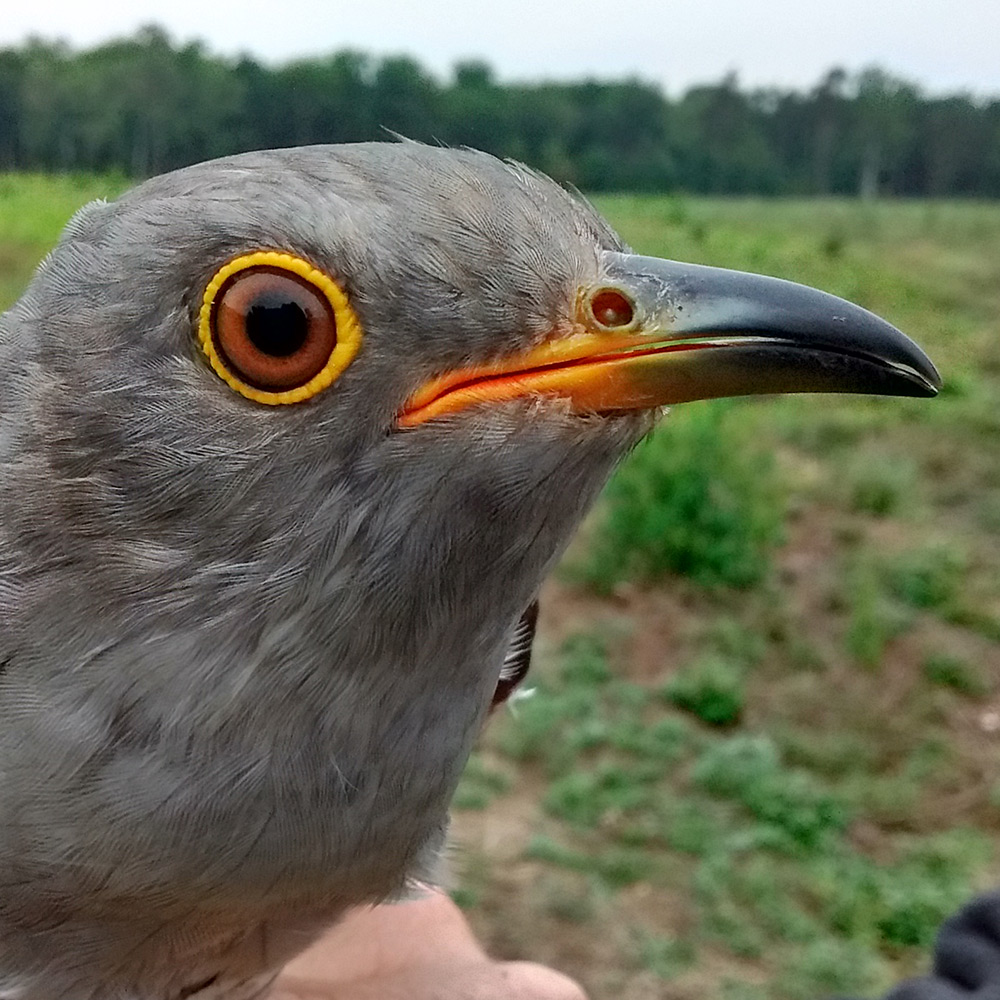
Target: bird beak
{"type": "Point", "coordinates": [655, 332]}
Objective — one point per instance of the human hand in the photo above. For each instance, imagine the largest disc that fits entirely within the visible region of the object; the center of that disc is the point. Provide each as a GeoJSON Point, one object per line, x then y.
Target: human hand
{"type": "Point", "coordinates": [418, 950]}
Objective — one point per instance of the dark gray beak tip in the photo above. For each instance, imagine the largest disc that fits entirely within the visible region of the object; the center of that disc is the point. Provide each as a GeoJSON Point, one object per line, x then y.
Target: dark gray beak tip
{"type": "Point", "coordinates": [913, 373]}
{"type": "Point", "coordinates": [932, 385]}
{"type": "Point", "coordinates": [908, 362]}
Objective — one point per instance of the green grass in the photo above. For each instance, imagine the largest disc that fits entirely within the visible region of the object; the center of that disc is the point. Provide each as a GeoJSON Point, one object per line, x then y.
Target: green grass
{"type": "Point", "coordinates": [954, 672]}
{"type": "Point", "coordinates": [762, 849]}
{"type": "Point", "coordinates": [753, 765]}
{"type": "Point", "coordinates": [711, 688]}
{"type": "Point", "coordinates": [33, 210]}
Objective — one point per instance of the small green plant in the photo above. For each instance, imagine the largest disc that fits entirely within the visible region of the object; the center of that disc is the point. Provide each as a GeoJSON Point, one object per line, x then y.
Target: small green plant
{"type": "Point", "coordinates": [928, 578]}
{"type": "Point", "coordinates": [584, 798]}
{"type": "Point", "coordinates": [732, 639]}
{"type": "Point", "coordinates": [954, 672]}
{"type": "Point", "coordinates": [664, 740]}
{"type": "Point", "coordinates": [690, 828]}
{"type": "Point", "coordinates": [833, 245]}
{"type": "Point", "coordinates": [697, 498]}
{"type": "Point", "coordinates": [729, 766]}
{"type": "Point", "coordinates": [622, 866]}
{"type": "Point", "coordinates": [585, 661]}
{"type": "Point", "coordinates": [882, 486]}
{"type": "Point", "coordinates": [543, 848]}
{"type": "Point", "coordinates": [724, 918]}
{"type": "Point", "coordinates": [900, 904]}
{"type": "Point", "coordinates": [793, 803]}
{"type": "Point", "coordinates": [873, 618]}
{"type": "Point", "coordinates": [666, 958]}
{"type": "Point", "coordinates": [711, 688]}
{"type": "Point", "coordinates": [789, 802]}
{"type": "Point", "coordinates": [613, 868]}
{"type": "Point", "coordinates": [829, 967]}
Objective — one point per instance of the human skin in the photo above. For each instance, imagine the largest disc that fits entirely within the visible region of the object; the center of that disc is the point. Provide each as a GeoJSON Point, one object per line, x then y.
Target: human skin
{"type": "Point", "coordinates": [418, 950]}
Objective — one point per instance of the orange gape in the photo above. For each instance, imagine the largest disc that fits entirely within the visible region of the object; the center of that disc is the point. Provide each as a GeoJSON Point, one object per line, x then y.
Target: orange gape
{"type": "Point", "coordinates": [597, 383]}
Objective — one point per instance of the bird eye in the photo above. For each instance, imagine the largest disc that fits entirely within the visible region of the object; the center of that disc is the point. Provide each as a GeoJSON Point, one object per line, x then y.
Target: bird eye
{"type": "Point", "coordinates": [273, 329]}
{"type": "Point", "coordinates": [611, 308]}
{"type": "Point", "coordinates": [276, 329]}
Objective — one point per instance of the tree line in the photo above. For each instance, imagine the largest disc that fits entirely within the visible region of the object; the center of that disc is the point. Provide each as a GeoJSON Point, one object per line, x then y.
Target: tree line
{"type": "Point", "coordinates": [146, 104]}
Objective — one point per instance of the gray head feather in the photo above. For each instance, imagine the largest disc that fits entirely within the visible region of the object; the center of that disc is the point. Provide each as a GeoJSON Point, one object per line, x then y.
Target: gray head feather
{"type": "Point", "coordinates": [246, 649]}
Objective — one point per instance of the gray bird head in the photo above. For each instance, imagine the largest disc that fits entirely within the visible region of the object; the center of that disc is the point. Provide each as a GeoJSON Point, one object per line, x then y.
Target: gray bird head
{"type": "Point", "coordinates": [289, 441]}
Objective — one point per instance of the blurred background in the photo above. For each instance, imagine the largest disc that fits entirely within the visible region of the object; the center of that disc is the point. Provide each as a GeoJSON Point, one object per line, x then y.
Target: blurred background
{"type": "Point", "coordinates": [762, 755]}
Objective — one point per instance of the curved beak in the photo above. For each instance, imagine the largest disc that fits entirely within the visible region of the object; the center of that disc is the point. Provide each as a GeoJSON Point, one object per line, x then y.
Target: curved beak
{"type": "Point", "coordinates": [683, 332]}
{"type": "Point", "coordinates": [747, 334]}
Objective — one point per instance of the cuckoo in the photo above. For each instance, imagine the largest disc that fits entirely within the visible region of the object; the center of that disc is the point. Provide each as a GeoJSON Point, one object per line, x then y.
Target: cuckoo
{"type": "Point", "coordinates": [288, 442]}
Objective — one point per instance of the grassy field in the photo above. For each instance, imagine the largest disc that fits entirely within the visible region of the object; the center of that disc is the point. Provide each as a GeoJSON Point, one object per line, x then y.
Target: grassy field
{"type": "Point", "coordinates": [763, 754]}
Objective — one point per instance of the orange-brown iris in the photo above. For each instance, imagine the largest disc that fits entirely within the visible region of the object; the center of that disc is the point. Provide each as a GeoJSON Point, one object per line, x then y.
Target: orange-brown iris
{"type": "Point", "coordinates": [273, 328]}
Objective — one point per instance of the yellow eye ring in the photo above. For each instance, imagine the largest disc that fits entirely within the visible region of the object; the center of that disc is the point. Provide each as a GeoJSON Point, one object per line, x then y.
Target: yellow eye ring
{"type": "Point", "coordinates": [327, 331]}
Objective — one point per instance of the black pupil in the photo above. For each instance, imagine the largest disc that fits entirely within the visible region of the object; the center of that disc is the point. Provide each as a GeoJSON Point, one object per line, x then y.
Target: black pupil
{"type": "Point", "coordinates": [276, 324]}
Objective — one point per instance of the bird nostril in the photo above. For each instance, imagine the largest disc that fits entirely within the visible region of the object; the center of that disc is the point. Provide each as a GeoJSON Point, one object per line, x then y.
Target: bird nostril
{"type": "Point", "coordinates": [611, 308]}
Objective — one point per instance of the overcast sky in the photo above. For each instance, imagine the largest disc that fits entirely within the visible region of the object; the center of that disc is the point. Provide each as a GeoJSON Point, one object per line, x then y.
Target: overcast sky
{"type": "Point", "coordinates": [945, 45]}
